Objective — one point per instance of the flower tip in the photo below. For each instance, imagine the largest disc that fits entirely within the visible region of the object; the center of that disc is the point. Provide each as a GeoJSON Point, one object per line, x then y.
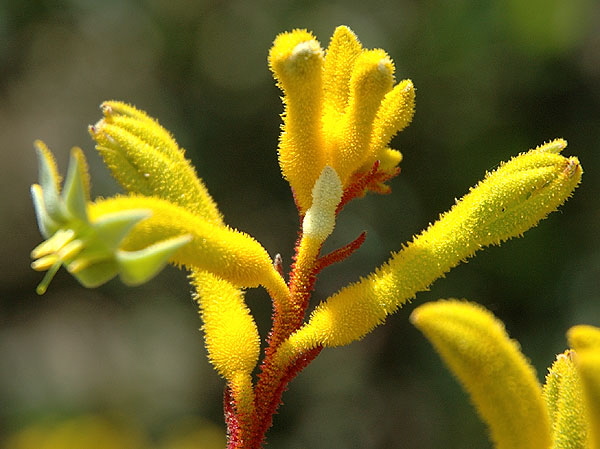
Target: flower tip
{"type": "Point", "coordinates": [407, 85]}
{"type": "Point", "coordinates": [385, 66]}
{"type": "Point", "coordinates": [106, 108]}
{"type": "Point", "coordinates": [573, 167]}
{"type": "Point", "coordinates": [94, 130]}
{"type": "Point", "coordinates": [555, 146]}
{"type": "Point", "coordinates": [305, 50]}
{"type": "Point", "coordinates": [138, 267]}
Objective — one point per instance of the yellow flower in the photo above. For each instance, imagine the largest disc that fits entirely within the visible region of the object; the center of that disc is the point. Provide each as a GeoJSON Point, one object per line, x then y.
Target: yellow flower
{"type": "Point", "coordinates": [503, 385]}
{"type": "Point", "coordinates": [232, 339]}
{"type": "Point", "coordinates": [145, 159]}
{"type": "Point", "coordinates": [505, 204]}
{"type": "Point", "coordinates": [134, 236]}
{"type": "Point", "coordinates": [341, 110]}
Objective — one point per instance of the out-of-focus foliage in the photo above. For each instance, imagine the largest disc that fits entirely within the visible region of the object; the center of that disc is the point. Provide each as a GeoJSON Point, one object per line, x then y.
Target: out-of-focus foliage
{"type": "Point", "coordinates": [492, 78]}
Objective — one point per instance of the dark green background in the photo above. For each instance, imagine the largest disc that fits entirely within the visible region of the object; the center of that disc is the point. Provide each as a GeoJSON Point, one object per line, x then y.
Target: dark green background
{"type": "Point", "coordinates": [493, 78]}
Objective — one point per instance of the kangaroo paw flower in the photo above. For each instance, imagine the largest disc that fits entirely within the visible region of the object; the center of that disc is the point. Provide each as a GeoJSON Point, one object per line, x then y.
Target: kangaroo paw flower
{"type": "Point", "coordinates": [502, 384]}
{"type": "Point", "coordinates": [145, 159]}
{"type": "Point", "coordinates": [341, 109]}
{"type": "Point", "coordinates": [505, 204]}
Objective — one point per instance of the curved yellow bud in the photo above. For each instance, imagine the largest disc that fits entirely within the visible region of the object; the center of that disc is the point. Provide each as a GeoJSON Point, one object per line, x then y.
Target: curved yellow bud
{"type": "Point", "coordinates": [585, 340]}
{"type": "Point", "coordinates": [231, 336]}
{"type": "Point", "coordinates": [296, 60]}
{"type": "Point", "coordinates": [230, 254]}
{"type": "Point", "coordinates": [145, 159]}
{"type": "Point", "coordinates": [505, 204]}
{"type": "Point", "coordinates": [502, 384]}
{"type": "Point", "coordinates": [565, 402]}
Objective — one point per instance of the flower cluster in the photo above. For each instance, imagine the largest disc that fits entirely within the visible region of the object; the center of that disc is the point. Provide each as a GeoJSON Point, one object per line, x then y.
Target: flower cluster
{"type": "Point", "coordinates": [342, 107]}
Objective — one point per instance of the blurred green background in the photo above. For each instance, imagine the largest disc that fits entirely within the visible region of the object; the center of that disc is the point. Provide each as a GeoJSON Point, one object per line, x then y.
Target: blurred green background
{"type": "Point", "coordinates": [493, 78]}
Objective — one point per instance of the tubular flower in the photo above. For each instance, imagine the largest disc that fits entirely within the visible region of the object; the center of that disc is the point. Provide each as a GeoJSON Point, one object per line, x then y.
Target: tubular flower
{"type": "Point", "coordinates": [145, 159]}
{"type": "Point", "coordinates": [520, 413]}
{"type": "Point", "coordinates": [341, 110]}
{"type": "Point", "coordinates": [342, 107]}
{"type": "Point", "coordinates": [134, 236]}
{"type": "Point", "coordinates": [505, 204]}
{"type": "Point", "coordinates": [232, 339]}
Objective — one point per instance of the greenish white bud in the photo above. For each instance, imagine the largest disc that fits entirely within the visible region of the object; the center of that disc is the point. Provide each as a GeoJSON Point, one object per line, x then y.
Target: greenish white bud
{"type": "Point", "coordinates": [319, 220]}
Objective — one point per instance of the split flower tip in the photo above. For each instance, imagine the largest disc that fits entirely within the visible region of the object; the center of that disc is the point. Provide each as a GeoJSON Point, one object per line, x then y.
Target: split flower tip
{"type": "Point", "coordinates": [90, 249]}
{"type": "Point", "coordinates": [52, 205]}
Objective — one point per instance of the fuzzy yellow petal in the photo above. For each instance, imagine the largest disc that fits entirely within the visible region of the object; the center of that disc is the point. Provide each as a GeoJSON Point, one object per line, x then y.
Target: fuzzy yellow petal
{"type": "Point", "coordinates": [145, 159]}
{"type": "Point", "coordinates": [585, 340]}
{"type": "Point", "coordinates": [342, 52]}
{"type": "Point", "coordinates": [502, 384]}
{"type": "Point", "coordinates": [296, 60]}
{"type": "Point", "coordinates": [394, 114]}
{"type": "Point", "coordinates": [231, 336]}
{"type": "Point", "coordinates": [505, 204]}
{"type": "Point", "coordinates": [372, 77]}
{"type": "Point", "coordinates": [565, 402]}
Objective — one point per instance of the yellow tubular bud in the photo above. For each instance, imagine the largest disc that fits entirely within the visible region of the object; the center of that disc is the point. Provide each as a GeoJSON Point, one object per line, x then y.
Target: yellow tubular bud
{"type": "Point", "coordinates": [342, 52]}
{"type": "Point", "coordinates": [145, 159]}
{"type": "Point", "coordinates": [296, 60]}
{"type": "Point", "coordinates": [372, 77]}
{"type": "Point", "coordinates": [228, 253]}
{"type": "Point", "coordinates": [585, 340]}
{"type": "Point", "coordinates": [389, 159]}
{"type": "Point", "coordinates": [505, 204]}
{"type": "Point", "coordinates": [565, 402]}
{"type": "Point", "coordinates": [231, 336]}
{"type": "Point", "coordinates": [500, 381]}
{"type": "Point", "coordinates": [394, 114]}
